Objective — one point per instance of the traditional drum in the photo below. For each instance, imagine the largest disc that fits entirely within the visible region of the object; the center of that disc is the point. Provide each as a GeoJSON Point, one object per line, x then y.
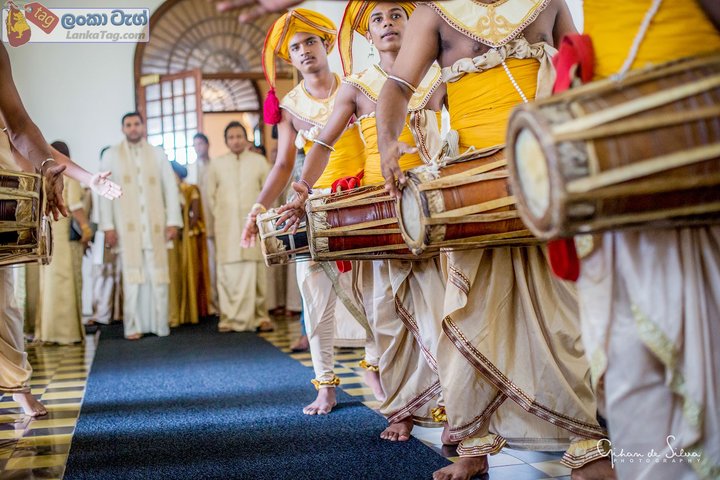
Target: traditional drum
{"type": "Point", "coordinates": [464, 204]}
{"type": "Point", "coordinates": [358, 224]}
{"type": "Point", "coordinates": [25, 234]}
{"type": "Point", "coordinates": [278, 247]}
{"type": "Point", "coordinates": [643, 151]}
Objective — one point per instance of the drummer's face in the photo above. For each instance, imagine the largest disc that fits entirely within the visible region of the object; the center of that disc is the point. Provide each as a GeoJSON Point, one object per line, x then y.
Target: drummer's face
{"type": "Point", "coordinates": [387, 24]}
{"type": "Point", "coordinates": [308, 52]}
{"type": "Point", "coordinates": [134, 129]}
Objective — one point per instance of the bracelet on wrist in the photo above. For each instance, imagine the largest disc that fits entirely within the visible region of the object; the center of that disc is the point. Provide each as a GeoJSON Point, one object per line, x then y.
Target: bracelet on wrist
{"type": "Point", "coordinates": [320, 142]}
{"type": "Point", "coordinates": [45, 162]}
{"type": "Point", "coordinates": [307, 185]}
{"type": "Point", "coordinates": [259, 207]}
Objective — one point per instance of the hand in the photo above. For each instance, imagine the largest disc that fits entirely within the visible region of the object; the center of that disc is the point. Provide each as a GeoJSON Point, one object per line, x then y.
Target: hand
{"type": "Point", "coordinates": [111, 238]}
{"type": "Point", "coordinates": [100, 184]}
{"type": "Point", "coordinates": [292, 213]}
{"type": "Point", "coordinates": [247, 238]}
{"type": "Point", "coordinates": [255, 8]}
{"type": "Point", "coordinates": [390, 153]}
{"type": "Point", "coordinates": [54, 202]}
{"type": "Point", "coordinates": [171, 233]}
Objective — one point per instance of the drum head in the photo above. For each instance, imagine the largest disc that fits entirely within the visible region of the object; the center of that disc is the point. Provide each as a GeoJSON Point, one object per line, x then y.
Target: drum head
{"type": "Point", "coordinates": [410, 216]}
{"type": "Point", "coordinates": [532, 172]}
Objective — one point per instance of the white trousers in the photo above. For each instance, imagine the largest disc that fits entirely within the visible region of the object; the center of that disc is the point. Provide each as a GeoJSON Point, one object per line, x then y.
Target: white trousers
{"type": "Point", "coordinates": [145, 307]}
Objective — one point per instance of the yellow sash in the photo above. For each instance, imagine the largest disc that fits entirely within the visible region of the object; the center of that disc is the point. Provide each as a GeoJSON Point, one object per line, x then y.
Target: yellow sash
{"type": "Point", "coordinates": [373, 174]}
{"type": "Point", "coordinates": [491, 24]}
{"type": "Point", "coordinates": [347, 159]}
{"type": "Point", "coordinates": [679, 29]}
{"type": "Point", "coordinates": [480, 103]}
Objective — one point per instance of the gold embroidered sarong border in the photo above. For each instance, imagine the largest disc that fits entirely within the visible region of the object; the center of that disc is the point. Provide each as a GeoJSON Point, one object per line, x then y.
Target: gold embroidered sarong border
{"type": "Point", "coordinates": [502, 383]}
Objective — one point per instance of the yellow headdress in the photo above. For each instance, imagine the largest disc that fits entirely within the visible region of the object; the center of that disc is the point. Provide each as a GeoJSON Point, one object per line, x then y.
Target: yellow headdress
{"type": "Point", "coordinates": [357, 19]}
{"type": "Point", "coordinates": [276, 45]}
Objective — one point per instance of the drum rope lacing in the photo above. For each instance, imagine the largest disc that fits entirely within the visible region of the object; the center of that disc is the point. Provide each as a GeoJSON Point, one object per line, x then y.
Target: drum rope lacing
{"type": "Point", "coordinates": [639, 37]}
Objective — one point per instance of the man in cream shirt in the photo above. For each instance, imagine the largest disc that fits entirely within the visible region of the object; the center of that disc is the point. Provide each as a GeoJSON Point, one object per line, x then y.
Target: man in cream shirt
{"type": "Point", "coordinates": [233, 183]}
{"type": "Point", "coordinates": [141, 223]}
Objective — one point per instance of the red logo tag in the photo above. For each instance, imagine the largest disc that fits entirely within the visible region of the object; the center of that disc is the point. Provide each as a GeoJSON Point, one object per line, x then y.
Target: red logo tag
{"type": "Point", "coordinates": [41, 16]}
{"type": "Point", "coordinates": [18, 30]}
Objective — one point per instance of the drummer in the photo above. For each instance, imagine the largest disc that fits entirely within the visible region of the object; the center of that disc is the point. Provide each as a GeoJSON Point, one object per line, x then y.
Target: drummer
{"type": "Point", "coordinates": [304, 38]}
{"type": "Point", "coordinates": [509, 363]}
{"type": "Point", "coordinates": [23, 147]}
{"type": "Point", "coordinates": [409, 378]}
{"type": "Point", "coordinates": [650, 299]}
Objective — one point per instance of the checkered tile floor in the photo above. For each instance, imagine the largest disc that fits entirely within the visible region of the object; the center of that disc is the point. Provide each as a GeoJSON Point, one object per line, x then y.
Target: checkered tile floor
{"type": "Point", "coordinates": [508, 465]}
{"type": "Point", "coordinates": [31, 449]}
{"type": "Point", "coordinates": [38, 448]}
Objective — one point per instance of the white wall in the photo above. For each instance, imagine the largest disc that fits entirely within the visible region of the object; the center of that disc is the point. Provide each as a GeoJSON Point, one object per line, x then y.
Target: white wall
{"type": "Point", "coordinates": [78, 93]}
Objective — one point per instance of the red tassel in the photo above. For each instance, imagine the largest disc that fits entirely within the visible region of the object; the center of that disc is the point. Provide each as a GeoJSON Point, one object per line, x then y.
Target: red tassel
{"type": "Point", "coordinates": [341, 185]}
{"type": "Point", "coordinates": [343, 265]}
{"type": "Point", "coordinates": [563, 259]}
{"type": "Point", "coordinates": [347, 183]}
{"type": "Point", "coordinates": [271, 108]}
{"type": "Point", "coordinates": [575, 60]}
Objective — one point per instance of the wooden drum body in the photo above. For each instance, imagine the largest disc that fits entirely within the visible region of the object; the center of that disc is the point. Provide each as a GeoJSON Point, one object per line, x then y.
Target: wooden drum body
{"type": "Point", "coordinates": [640, 152]}
{"type": "Point", "coordinates": [25, 234]}
{"type": "Point", "coordinates": [278, 247]}
{"type": "Point", "coordinates": [465, 204]}
{"type": "Point", "coordinates": [358, 224]}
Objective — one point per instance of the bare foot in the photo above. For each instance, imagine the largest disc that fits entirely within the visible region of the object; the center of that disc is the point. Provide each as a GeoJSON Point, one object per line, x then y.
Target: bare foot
{"type": "Point", "coordinates": [445, 437]}
{"type": "Point", "coordinates": [134, 336]}
{"type": "Point", "coordinates": [464, 469]}
{"type": "Point", "coordinates": [323, 404]}
{"type": "Point", "coordinates": [597, 470]}
{"type": "Point", "coordinates": [30, 405]}
{"type": "Point", "coordinates": [372, 380]}
{"type": "Point", "coordinates": [224, 329]}
{"type": "Point", "coordinates": [301, 345]}
{"type": "Point", "coordinates": [399, 431]}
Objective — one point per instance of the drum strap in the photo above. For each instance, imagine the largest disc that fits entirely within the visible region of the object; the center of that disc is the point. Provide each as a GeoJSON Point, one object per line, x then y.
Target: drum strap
{"type": "Point", "coordinates": [343, 296]}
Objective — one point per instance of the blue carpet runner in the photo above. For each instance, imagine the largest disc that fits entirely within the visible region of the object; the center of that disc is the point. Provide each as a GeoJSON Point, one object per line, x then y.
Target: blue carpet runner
{"type": "Point", "coordinates": [204, 405]}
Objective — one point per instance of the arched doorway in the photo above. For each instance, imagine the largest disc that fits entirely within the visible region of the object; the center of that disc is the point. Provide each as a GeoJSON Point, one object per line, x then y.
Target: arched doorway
{"type": "Point", "coordinates": [199, 69]}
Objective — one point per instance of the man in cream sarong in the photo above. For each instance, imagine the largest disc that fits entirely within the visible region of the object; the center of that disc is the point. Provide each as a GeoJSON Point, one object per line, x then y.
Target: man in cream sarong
{"type": "Point", "coordinates": [15, 370]}
{"type": "Point", "coordinates": [398, 295]}
{"type": "Point", "coordinates": [650, 299]}
{"type": "Point", "coordinates": [304, 38]}
{"type": "Point", "coordinates": [510, 361]}
{"type": "Point", "coordinates": [22, 146]}
{"type": "Point", "coordinates": [233, 182]}
{"type": "Point", "coordinates": [140, 223]}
